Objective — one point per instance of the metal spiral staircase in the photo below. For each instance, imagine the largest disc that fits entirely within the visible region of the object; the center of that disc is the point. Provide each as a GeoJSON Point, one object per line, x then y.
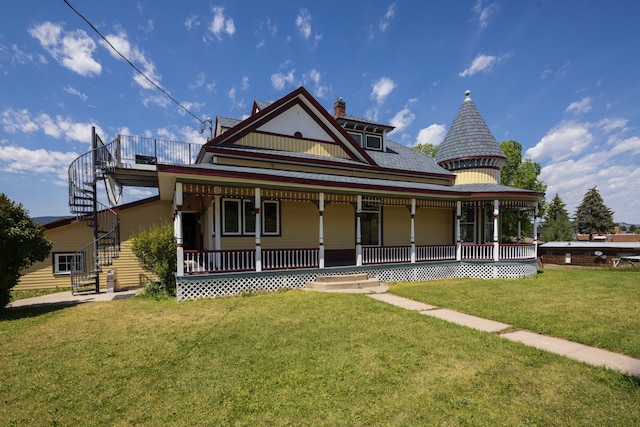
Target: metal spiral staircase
{"type": "Point", "coordinates": [85, 173]}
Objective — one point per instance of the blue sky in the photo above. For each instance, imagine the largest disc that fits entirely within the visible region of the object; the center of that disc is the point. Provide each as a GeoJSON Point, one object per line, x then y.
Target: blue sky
{"type": "Point", "coordinates": [560, 77]}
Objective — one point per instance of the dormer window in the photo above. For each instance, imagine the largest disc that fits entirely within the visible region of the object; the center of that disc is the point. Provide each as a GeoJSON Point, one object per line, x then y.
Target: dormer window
{"type": "Point", "coordinates": [357, 137]}
{"type": "Point", "coordinates": [374, 142]}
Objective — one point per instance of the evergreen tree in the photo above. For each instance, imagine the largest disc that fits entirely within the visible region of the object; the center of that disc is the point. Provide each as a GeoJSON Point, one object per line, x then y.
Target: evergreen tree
{"type": "Point", "coordinates": [557, 226]}
{"type": "Point", "coordinates": [592, 215]}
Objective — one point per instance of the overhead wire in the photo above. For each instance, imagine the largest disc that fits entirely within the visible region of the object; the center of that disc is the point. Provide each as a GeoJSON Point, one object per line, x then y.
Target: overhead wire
{"type": "Point", "coordinates": [202, 122]}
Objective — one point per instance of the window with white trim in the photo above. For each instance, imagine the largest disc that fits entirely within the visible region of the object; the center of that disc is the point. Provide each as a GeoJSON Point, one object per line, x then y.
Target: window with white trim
{"type": "Point", "coordinates": [239, 217]}
{"type": "Point", "coordinates": [231, 216]}
{"type": "Point", "coordinates": [468, 225]}
{"type": "Point", "coordinates": [374, 142]}
{"type": "Point", "coordinates": [271, 217]}
{"type": "Point", "coordinates": [357, 136]}
{"type": "Point", "coordinates": [370, 226]}
{"type": "Point", "coordinates": [63, 263]}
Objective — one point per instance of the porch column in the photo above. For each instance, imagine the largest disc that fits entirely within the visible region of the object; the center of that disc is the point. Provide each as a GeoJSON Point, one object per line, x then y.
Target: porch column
{"type": "Point", "coordinates": [210, 225]}
{"type": "Point", "coordinates": [256, 206]}
{"type": "Point", "coordinates": [358, 231]}
{"type": "Point", "coordinates": [413, 230]}
{"type": "Point", "coordinates": [321, 230]}
{"type": "Point", "coordinates": [457, 231]}
{"type": "Point", "coordinates": [177, 229]}
{"type": "Point", "coordinates": [496, 241]}
{"type": "Point", "coordinates": [519, 235]}
{"type": "Point", "coordinates": [217, 227]}
{"type": "Point", "coordinates": [535, 231]}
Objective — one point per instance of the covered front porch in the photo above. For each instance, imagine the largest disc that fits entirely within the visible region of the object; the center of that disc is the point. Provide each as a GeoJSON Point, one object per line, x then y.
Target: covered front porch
{"type": "Point", "coordinates": [237, 233]}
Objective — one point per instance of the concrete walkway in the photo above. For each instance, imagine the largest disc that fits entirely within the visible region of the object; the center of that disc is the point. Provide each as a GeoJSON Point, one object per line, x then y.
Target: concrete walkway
{"type": "Point", "coordinates": [590, 355]}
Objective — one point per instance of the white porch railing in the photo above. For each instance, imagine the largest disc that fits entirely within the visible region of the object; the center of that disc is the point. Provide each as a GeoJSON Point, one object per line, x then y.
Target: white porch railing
{"type": "Point", "coordinates": [517, 251]}
{"type": "Point", "coordinates": [435, 253]}
{"type": "Point", "coordinates": [477, 251]}
{"type": "Point", "coordinates": [219, 261]}
{"type": "Point", "coordinates": [385, 254]}
{"type": "Point", "coordinates": [280, 259]}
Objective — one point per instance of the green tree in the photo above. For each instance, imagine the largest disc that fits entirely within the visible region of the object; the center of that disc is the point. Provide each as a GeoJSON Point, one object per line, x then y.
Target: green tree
{"type": "Point", "coordinates": [155, 249]}
{"type": "Point", "coordinates": [557, 225]}
{"type": "Point", "coordinates": [632, 228]}
{"type": "Point", "coordinates": [592, 215]}
{"type": "Point", "coordinates": [22, 243]}
{"type": "Point", "coordinates": [428, 149]}
{"type": "Point", "coordinates": [519, 174]}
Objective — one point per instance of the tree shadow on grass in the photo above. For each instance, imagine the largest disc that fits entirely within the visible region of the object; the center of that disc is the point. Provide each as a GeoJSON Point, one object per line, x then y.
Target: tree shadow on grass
{"type": "Point", "coordinates": [24, 312]}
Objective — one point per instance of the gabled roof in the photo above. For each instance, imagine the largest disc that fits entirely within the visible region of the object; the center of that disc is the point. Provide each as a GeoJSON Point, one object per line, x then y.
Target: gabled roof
{"type": "Point", "coordinates": [469, 137]}
{"type": "Point", "coordinates": [304, 104]}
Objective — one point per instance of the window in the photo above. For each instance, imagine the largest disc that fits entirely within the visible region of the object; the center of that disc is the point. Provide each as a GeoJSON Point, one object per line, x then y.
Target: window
{"type": "Point", "coordinates": [239, 217]}
{"type": "Point", "coordinates": [63, 263]}
{"type": "Point", "coordinates": [271, 217]}
{"type": "Point", "coordinates": [488, 225]}
{"type": "Point", "coordinates": [357, 137]}
{"type": "Point", "coordinates": [468, 225]}
{"type": "Point", "coordinates": [374, 142]}
{"type": "Point", "coordinates": [370, 226]}
{"type": "Point", "coordinates": [231, 214]}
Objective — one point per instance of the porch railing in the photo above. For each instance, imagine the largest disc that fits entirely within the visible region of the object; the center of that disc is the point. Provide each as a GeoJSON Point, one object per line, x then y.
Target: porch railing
{"type": "Point", "coordinates": [477, 251]}
{"type": "Point", "coordinates": [281, 259]}
{"type": "Point", "coordinates": [196, 262]}
{"type": "Point", "coordinates": [517, 251]}
{"type": "Point", "coordinates": [435, 253]}
{"type": "Point", "coordinates": [385, 254]}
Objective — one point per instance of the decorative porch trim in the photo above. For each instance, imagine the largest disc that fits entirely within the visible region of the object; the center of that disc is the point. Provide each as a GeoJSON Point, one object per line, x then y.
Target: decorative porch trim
{"type": "Point", "coordinates": [233, 284]}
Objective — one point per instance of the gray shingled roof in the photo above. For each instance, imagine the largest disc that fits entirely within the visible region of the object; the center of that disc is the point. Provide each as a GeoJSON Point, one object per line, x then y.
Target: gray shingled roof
{"type": "Point", "coordinates": [469, 136]}
{"type": "Point", "coordinates": [228, 122]}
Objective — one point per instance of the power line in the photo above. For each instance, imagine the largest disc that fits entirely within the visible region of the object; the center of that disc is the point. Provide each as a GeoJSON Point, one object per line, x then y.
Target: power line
{"type": "Point", "coordinates": [203, 124]}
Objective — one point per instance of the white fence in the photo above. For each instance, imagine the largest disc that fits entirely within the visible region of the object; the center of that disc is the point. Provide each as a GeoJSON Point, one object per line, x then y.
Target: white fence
{"type": "Point", "coordinates": [435, 253]}
{"type": "Point", "coordinates": [280, 259]}
{"type": "Point", "coordinates": [477, 252]}
{"type": "Point", "coordinates": [385, 254]}
{"type": "Point", "coordinates": [517, 251]}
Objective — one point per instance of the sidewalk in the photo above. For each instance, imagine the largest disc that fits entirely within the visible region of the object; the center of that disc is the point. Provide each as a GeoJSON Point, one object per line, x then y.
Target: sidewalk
{"type": "Point", "coordinates": [590, 355]}
{"type": "Point", "coordinates": [66, 298]}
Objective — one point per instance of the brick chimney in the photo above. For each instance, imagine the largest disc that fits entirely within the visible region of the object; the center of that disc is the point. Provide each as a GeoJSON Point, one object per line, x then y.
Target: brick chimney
{"type": "Point", "coordinates": [339, 108]}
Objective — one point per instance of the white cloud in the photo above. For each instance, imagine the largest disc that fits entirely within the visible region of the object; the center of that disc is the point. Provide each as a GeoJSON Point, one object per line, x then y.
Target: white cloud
{"type": "Point", "coordinates": [386, 19]}
{"type": "Point", "coordinates": [433, 134]}
{"type": "Point", "coordinates": [482, 12]}
{"type": "Point", "coordinates": [199, 82]}
{"type": "Point", "coordinates": [265, 28]}
{"type": "Point", "coordinates": [22, 160]}
{"type": "Point", "coordinates": [303, 24]}
{"type": "Point", "coordinates": [192, 22]}
{"type": "Point", "coordinates": [580, 107]}
{"type": "Point", "coordinates": [279, 80]}
{"type": "Point", "coordinates": [402, 119]}
{"type": "Point", "coordinates": [20, 121]}
{"type": "Point", "coordinates": [631, 146]}
{"type": "Point", "coordinates": [235, 102]}
{"type": "Point", "coordinates": [220, 24]}
{"type": "Point", "coordinates": [245, 82]}
{"type": "Point", "coordinates": [382, 88]}
{"type": "Point", "coordinates": [72, 91]}
{"type": "Point", "coordinates": [482, 63]}
{"type": "Point", "coordinates": [121, 43]}
{"type": "Point", "coordinates": [609, 125]}
{"type": "Point", "coordinates": [314, 79]}
{"type": "Point", "coordinates": [567, 139]}
{"type": "Point", "coordinates": [73, 50]}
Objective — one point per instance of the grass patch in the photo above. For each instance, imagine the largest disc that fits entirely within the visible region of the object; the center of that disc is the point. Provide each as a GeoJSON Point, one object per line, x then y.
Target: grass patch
{"type": "Point", "coordinates": [30, 293]}
{"type": "Point", "coordinates": [593, 306]}
{"type": "Point", "coordinates": [292, 358]}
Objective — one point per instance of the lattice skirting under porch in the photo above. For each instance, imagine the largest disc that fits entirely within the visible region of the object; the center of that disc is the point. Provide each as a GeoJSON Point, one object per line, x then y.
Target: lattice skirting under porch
{"type": "Point", "coordinates": [223, 285]}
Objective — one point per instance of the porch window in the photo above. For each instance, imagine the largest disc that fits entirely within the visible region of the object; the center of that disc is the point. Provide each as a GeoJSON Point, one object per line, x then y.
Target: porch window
{"type": "Point", "coordinates": [63, 262]}
{"type": "Point", "coordinates": [231, 215]}
{"type": "Point", "coordinates": [468, 225]}
{"type": "Point", "coordinates": [271, 217]}
{"type": "Point", "coordinates": [249, 217]}
{"type": "Point", "coordinates": [488, 225]}
{"type": "Point", "coordinates": [370, 226]}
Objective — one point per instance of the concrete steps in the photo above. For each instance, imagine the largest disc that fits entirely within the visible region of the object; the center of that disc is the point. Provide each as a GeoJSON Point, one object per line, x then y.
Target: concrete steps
{"type": "Point", "coordinates": [343, 281]}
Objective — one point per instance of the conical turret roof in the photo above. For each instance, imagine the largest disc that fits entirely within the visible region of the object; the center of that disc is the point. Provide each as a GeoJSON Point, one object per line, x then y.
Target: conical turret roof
{"type": "Point", "coordinates": [469, 142]}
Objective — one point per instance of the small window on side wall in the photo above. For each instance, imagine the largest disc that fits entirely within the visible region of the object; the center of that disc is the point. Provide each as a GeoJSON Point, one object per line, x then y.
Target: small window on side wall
{"type": "Point", "coordinates": [63, 263]}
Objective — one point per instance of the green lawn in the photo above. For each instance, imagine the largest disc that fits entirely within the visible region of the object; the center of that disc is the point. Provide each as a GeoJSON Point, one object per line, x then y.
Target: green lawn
{"type": "Point", "coordinates": [290, 358]}
{"type": "Point", "coordinates": [594, 306]}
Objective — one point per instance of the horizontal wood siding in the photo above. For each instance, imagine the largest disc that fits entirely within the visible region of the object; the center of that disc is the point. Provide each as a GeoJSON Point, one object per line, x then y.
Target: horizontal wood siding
{"type": "Point", "coordinates": [283, 143]}
{"type": "Point", "coordinates": [72, 237]}
{"type": "Point", "coordinates": [300, 225]}
{"type": "Point", "coordinates": [339, 226]}
{"type": "Point", "coordinates": [396, 226]}
{"type": "Point", "coordinates": [434, 226]}
{"type": "Point", "coordinates": [478, 176]}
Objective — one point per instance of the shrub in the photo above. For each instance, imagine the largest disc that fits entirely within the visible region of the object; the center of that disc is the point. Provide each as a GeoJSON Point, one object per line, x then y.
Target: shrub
{"type": "Point", "coordinates": [155, 249]}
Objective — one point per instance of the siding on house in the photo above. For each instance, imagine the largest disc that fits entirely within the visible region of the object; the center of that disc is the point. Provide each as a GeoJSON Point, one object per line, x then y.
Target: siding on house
{"type": "Point", "coordinates": [72, 237]}
{"type": "Point", "coordinates": [478, 176]}
{"type": "Point", "coordinates": [396, 226]}
{"type": "Point", "coordinates": [434, 227]}
{"type": "Point", "coordinates": [339, 226]}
